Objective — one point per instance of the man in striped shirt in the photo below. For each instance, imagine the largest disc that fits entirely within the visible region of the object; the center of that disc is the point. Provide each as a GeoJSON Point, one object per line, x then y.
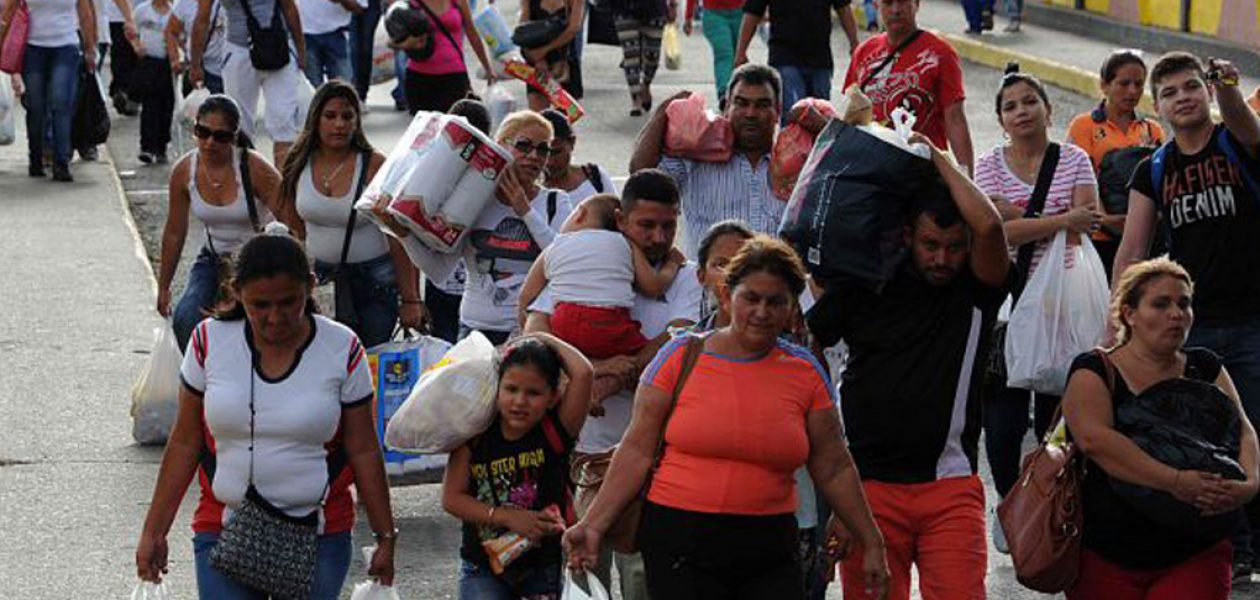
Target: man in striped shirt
{"type": "Point", "coordinates": [738, 188]}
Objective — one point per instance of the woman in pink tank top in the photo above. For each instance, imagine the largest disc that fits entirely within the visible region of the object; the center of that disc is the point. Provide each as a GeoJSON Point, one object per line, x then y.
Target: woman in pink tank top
{"type": "Point", "coordinates": [437, 82]}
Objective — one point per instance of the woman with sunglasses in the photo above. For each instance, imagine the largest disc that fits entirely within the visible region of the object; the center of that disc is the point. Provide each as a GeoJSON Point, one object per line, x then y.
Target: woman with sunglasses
{"type": "Point", "coordinates": [508, 235]}
{"type": "Point", "coordinates": [330, 161]}
{"type": "Point", "coordinates": [209, 182]}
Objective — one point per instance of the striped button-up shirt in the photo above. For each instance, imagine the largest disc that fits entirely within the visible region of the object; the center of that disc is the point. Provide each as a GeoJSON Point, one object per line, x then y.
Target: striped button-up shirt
{"type": "Point", "coordinates": [713, 192]}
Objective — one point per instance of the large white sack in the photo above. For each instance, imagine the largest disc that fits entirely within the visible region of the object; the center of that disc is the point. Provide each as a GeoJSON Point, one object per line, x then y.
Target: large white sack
{"type": "Point", "coordinates": [451, 404]}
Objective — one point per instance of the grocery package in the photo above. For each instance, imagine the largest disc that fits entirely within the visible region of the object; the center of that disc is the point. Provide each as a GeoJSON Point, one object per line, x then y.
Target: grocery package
{"type": "Point", "coordinates": [500, 102]}
{"type": "Point", "coordinates": [589, 589]}
{"type": "Point", "coordinates": [155, 394]}
{"type": "Point", "coordinates": [186, 113]}
{"type": "Point", "coordinates": [695, 133]}
{"type": "Point", "coordinates": [846, 213]}
{"type": "Point", "coordinates": [671, 47]}
{"type": "Point", "coordinates": [560, 99]}
{"type": "Point", "coordinates": [792, 146]}
{"type": "Point", "coordinates": [396, 367]}
{"type": "Point", "coordinates": [453, 402]}
{"type": "Point", "coordinates": [439, 177]}
{"type": "Point", "coordinates": [494, 31]}
{"type": "Point", "coordinates": [383, 64]}
{"type": "Point", "coordinates": [511, 545]}
{"type": "Point", "coordinates": [1061, 313]}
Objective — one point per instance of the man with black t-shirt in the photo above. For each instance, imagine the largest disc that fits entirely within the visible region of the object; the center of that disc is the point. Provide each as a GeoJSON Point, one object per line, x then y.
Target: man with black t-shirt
{"type": "Point", "coordinates": [909, 393]}
{"type": "Point", "coordinates": [1202, 186]}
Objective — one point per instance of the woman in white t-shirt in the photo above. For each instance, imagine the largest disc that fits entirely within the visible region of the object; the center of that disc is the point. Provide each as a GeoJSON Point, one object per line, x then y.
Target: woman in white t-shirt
{"type": "Point", "coordinates": [325, 169]}
{"type": "Point", "coordinates": [581, 182]}
{"type": "Point", "coordinates": [61, 41]}
{"type": "Point", "coordinates": [1010, 172]}
{"type": "Point", "coordinates": [179, 35]}
{"type": "Point", "coordinates": [151, 82]}
{"type": "Point", "coordinates": [277, 401]}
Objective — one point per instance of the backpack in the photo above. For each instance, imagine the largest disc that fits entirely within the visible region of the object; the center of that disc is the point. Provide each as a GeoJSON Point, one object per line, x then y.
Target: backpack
{"type": "Point", "coordinates": [1158, 164]}
{"type": "Point", "coordinates": [1114, 172]}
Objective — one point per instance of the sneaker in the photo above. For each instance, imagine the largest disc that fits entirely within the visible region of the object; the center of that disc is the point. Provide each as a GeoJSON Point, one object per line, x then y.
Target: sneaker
{"type": "Point", "coordinates": [400, 105]}
{"type": "Point", "coordinates": [1013, 26]}
{"type": "Point", "coordinates": [89, 154]}
{"type": "Point", "coordinates": [999, 536]}
{"type": "Point", "coordinates": [159, 158]}
{"type": "Point", "coordinates": [36, 169]}
{"type": "Point", "coordinates": [974, 32]}
{"type": "Point", "coordinates": [61, 172]}
{"type": "Point", "coordinates": [1241, 573]}
{"type": "Point", "coordinates": [147, 158]}
{"type": "Point", "coordinates": [986, 19]}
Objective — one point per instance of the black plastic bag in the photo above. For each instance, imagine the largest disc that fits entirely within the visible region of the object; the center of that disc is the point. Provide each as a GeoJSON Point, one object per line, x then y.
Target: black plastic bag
{"type": "Point", "coordinates": [1186, 424]}
{"type": "Point", "coordinates": [90, 126]}
{"type": "Point", "coordinates": [846, 214]}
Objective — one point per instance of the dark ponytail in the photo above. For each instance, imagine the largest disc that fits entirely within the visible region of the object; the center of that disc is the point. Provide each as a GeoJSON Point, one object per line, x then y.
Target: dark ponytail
{"type": "Point", "coordinates": [264, 256]}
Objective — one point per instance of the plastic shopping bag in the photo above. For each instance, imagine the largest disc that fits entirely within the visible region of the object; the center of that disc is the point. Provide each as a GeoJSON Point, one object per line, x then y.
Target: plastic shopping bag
{"type": "Point", "coordinates": [396, 367]}
{"type": "Point", "coordinates": [382, 64]}
{"type": "Point", "coordinates": [576, 581]}
{"type": "Point", "coordinates": [693, 132]}
{"type": "Point", "coordinates": [793, 145]}
{"type": "Point", "coordinates": [671, 47]}
{"type": "Point", "coordinates": [451, 403]}
{"type": "Point", "coordinates": [847, 211]}
{"type": "Point", "coordinates": [8, 124]}
{"type": "Point", "coordinates": [494, 31]}
{"type": "Point", "coordinates": [1061, 313]}
{"type": "Point", "coordinates": [147, 590]}
{"type": "Point", "coordinates": [500, 102]}
{"type": "Point", "coordinates": [155, 395]}
{"type": "Point", "coordinates": [371, 590]}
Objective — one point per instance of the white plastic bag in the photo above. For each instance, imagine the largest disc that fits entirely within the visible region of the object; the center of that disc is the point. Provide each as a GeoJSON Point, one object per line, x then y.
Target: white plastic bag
{"type": "Point", "coordinates": [494, 31]}
{"type": "Point", "coordinates": [572, 590]}
{"type": "Point", "coordinates": [147, 590]}
{"type": "Point", "coordinates": [500, 102]}
{"type": "Point", "coordinates": [155, 395]}
{"type": "Point", "coordinates": [451, 403]}
{"type": "Point", "coordinates": [371, 590]}
{"type": "Point", "coordinates": [396, 369]}
{"type": "Point", "coordinates": [8, 125]}
{"type": "Point", "coordinates": [1061, 313]}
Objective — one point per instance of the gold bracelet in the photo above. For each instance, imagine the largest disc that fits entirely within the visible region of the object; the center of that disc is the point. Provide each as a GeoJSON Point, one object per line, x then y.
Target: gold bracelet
{"type": "Point", "coordinates": [490, 517]}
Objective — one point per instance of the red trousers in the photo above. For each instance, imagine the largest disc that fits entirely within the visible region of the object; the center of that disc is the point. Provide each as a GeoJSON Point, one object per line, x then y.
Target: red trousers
{"type": "Point", "coordinates": [1205, 576]}
{"type": "Point", "coordinates": [598, 331]}
{"type": "Point", "coordinates": [937, 527]}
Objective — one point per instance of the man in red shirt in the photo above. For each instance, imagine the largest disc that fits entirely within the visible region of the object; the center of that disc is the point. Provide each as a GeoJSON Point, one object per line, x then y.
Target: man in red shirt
{"type": "Point", "coordinates": [914, 69]}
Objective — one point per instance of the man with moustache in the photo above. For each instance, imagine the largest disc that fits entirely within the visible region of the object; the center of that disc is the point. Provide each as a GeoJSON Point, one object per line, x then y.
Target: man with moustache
{"type": "Point", "coordinates": [738, 188]}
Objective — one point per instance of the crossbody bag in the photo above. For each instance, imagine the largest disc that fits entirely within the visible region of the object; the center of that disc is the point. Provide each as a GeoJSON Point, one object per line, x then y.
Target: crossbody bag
{"type": "Point", "coordinates": [268, 48]}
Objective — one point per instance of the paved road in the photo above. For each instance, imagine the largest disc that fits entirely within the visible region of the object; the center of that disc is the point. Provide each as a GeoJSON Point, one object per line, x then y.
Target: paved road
{"type": "Point", "coordinates": [73, 489]}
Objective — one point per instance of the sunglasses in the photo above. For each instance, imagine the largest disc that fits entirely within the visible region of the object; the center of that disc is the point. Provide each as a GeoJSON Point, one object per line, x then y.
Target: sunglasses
{"type": "Point", "coordinates": [542, 149]}
{"type": "Point", "coordinates": [222, 136]}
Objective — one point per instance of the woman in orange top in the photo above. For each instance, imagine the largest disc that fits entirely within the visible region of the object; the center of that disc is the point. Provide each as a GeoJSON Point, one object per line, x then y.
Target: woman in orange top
{"type": "Point", "coordinates": [1116, 139]}
{"type": "Point", "coordinates": [718, 519]}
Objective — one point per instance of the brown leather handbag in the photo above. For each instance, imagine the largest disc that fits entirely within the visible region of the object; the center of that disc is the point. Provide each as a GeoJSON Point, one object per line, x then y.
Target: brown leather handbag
{"type": "Point", "coordinates": [589, 471]}
{"type": "Point", "coordinates": [1042, 515]}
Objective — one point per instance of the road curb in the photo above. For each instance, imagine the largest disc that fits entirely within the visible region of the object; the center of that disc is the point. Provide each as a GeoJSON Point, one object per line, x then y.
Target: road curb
{"type": "Point", "coordinates": [1068, 77]}
{"type": "Point", "coordinates": [129, 220]}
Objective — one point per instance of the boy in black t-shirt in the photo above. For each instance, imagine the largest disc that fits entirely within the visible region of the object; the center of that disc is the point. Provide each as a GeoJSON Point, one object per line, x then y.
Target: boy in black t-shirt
{"type": "Point", "coordinates": [1203, 187]}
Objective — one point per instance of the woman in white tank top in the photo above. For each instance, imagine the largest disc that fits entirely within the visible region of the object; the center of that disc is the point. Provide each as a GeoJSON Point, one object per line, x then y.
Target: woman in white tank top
{"type": "Point", "coordinates": [208, 182]}
{"type": "Point", "coordinates": [329, 162]}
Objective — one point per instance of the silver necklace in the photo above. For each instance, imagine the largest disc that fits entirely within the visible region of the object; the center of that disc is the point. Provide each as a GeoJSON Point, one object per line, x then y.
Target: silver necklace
{"type": "Point", "coordinates": [205, 168]}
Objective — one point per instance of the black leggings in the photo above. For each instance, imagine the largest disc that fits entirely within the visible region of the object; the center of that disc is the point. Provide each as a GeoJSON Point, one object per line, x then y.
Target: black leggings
{"type": "Point", "coordinates": [1006, 424]}
{"type": "Point", "coordinates": [697, 556]}
{"type": "Point", "coordinates": [435, 93]}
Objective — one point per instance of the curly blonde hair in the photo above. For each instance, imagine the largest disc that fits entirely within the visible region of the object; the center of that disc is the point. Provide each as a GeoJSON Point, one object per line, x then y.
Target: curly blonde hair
{"type": "Point", "coordinates": [515, 122]}
{"type": "Point", "coordinates": [1132, 286]}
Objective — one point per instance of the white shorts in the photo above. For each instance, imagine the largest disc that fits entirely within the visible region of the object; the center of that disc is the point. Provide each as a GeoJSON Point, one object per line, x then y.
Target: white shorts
{"type": "Point", "coordinates": [279, 89]}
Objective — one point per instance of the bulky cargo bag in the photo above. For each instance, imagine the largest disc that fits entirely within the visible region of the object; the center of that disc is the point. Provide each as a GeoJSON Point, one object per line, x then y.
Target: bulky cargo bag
{"type": "Point", "coordinates": [793, 145]}
{"type": "Point", "coordinates": [155, 394]}
{"type": "Point", "coordinates": [847, 211]}
{"type": "Point", "coordinates": [451, 404]}
{"type": "Point", "coordinates": [396, 368]}
{"type": "Point", "coordinates": [695, 133]}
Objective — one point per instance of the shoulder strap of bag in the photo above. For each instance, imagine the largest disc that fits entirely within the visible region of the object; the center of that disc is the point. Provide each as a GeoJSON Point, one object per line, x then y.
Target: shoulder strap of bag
{"type": "Point", "coordinates": [364, 159]}
{"type": "Point", "coordinates": [250, 19]}
{"type": "Point", "coordinates": [695, 345]}
{"type": "Point", "coordinates": [247, 186]}
{"type": "Point", "coordinates": [1222, 141]}
{"type": "Point", "coordinates": [551, 205]}
{"type": "Point", "coordinates": [441, 27]}
{"type": "Point", "coordinates": [888, 59]}
{"type": "Point", "coordinates": [592, 175]}
{"type": "Point", "coordinates": [1036, 204]}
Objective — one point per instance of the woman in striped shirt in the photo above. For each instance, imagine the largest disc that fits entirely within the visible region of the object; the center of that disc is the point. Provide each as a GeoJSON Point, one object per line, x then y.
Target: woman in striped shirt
{"type": "Point", "coordinates": [1009, 174]}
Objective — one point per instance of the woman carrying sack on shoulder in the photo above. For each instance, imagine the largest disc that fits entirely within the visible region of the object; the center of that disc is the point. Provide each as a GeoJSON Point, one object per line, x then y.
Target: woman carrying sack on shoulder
{"type": "Point", "coordinates": [233, 204]}
{"type": "Point", "coordinates": [742, 410]}
{"type": "Point", "coordinates": [1116, 139]}
{"type": "Point", "coordinates": [1013, 173]}
{"type": "Point", "coordinates": [510, 485]}
{"type": "Point", "coordinates": [329, 166]}
{"type": "Point", "coordinates": [1155, 529]}
{"type": "Point", "coordinates": [276, 420]}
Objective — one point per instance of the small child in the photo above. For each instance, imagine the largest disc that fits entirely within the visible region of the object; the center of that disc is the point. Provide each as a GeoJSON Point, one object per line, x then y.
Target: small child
{"type": "Point", "coordinates": [593, 272]}
{"type": "Point", "coordinates": [152, 85]}
{"type": "Point", "coordinates": [510, 485]}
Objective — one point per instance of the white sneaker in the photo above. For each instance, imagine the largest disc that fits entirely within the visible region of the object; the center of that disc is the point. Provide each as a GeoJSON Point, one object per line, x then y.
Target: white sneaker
{"type": "Point", "coordinates": [999, 536]}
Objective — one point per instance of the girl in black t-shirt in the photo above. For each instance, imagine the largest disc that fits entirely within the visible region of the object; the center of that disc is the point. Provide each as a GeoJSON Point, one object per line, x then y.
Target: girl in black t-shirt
{"type": "Point", "coordinates": [510, 485]}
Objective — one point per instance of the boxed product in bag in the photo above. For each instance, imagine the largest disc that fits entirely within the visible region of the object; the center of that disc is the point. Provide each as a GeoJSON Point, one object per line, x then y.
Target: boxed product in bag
{"type": "Point", "coordinates": [396, 367]}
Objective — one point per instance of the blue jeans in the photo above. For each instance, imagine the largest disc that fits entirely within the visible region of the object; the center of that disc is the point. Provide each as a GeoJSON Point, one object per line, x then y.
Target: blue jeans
{"type": "Point", "coordinates": [1238, 345]}
{"type": "Point", "coordinates": [199, 296]}
{"type": "Point", "coordinates": [872, 14]}
{"type": "Point", "coordinates": [803, 82]}
{"type": "Point", "coordinates": [400, 77]}
{"type": "Point", "coordinates": [327, 57]}
{"type": "Point", "coordinates": [443, 312]}
{"type": "Point", "coordinates": [362, 38]}
{"type": "Point", "coordinates": [374, 293]}
{"type": "Point", "coordinates": [52, 82]}
{"type": "Point", "coordinates": [332, 562]}
{"type": "Point", "coordinates": [479, 583]}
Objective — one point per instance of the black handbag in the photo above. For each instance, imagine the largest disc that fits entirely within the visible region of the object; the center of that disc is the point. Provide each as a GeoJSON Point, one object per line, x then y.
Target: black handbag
{"type": "Point", "coordinates": [263, 547]}
{"type": "Point", "coordinates": [1186, 424]}
{"type": "Point", "coordinates": [536, 34]}
{"type": "Point", "coordinates": [268, 48]}
{"type": "Point", "coordinates": [90, 124]}
{"type": "Point", "coordinates": [343, 285]}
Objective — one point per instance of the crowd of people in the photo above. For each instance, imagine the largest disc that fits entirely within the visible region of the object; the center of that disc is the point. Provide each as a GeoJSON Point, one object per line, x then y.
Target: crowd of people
{"type": "Point", "coordinates": [685, 377]}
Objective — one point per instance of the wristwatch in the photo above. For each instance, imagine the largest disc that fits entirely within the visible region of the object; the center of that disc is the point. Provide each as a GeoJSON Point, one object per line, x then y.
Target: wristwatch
{"type": "Point", "coordinates": [385, 535]}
